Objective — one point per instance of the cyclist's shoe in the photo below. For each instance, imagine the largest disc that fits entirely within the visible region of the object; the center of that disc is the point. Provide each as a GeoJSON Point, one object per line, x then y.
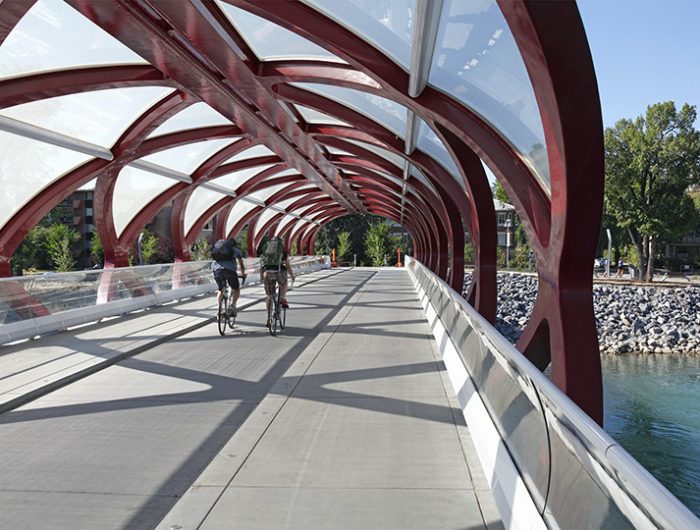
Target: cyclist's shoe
{"type": "Point", "coordinates": [283, 303]}
{"type": "Point", "coordinates": [267, 324]}
{"type": "Point", "coordinates": [232, 312]}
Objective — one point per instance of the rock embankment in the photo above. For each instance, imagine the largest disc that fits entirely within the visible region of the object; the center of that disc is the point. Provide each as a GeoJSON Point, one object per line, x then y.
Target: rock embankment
{"type": "Point", "coordinates": [630, 319]}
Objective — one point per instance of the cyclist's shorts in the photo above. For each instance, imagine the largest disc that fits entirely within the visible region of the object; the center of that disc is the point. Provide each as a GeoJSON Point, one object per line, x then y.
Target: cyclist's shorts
{"type": "Point", "coordinates": [272, 277]}
{"type": "Point", "coordinates": [221, 276]}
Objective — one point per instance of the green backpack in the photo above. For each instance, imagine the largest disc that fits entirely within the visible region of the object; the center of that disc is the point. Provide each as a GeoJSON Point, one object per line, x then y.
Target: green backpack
{"type": "Point", "coordinates": [271, 257]}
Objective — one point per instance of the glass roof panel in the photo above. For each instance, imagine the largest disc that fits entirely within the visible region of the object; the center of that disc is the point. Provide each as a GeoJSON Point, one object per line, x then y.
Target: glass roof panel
{"type": "Point", "coordinates": [53, 36]}
{"type": "Point", "coordinates": [271, 42]}
{"type": "Point", "coordinates": [309, 188]}
{"type": "Point", "coordinates": [387, 113]}
{"type": "Point", "coordinates": [240, 209]}
{"type": "Point", "coordinates": [286, 202]}
{"type": "Point", "coordinates": [304, 227]}
{"type": "Point", "coordinates": [395, 159]}
{"type": "Point", "coordinates": [134, 189]}
{"type": "Point", "coordinates": [387, 24]}
{"type": "Point", "coordinates": [286, 173]}
{"type": "Point", "coordinates": [266, 193]}
{"type": "Point", "coordinates": [233, 180]}
{"type": "Point", "coordinates": [193, 117]}
{"type": "Point", "coordinates": [252, 152]}
{"type": "Point", "coordinates": [264, 217]}
{"type": "Point", "coordinates": [98, 117]}
{"type": "Point", "coordinates": [27, 166]}
{"type": "Point", "coordinates": [200, 200]}
{"type": "Point", "coordinates": [477, 61]}
{"type": "Point", "coordinates": [429, 142]}
{"type": "Point", "coordinates": [314, 116]}
{"type": "Point", "coordinates": [286, 220]}
{"type": "Point", "coordinates": [186, 158]}
{"type": "Point", "coordinates": [335, 151]}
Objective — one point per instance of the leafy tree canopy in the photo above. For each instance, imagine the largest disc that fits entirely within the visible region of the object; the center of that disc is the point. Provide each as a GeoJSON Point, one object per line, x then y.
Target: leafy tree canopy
{"type": "Point", "coordinates": [650, 163]}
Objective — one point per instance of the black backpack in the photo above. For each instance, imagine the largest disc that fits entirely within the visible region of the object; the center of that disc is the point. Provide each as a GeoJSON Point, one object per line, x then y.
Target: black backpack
{"type": "Point", "coordinates": [272, 254]}
{"type": "Point", "coordinates": [222, 251]}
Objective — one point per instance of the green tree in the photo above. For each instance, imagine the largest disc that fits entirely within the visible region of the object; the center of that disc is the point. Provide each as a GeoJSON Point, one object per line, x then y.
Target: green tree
{"type": "Point", "coordinates": [32, 253]}
{"type": "Point", "coordinates": [201, 250]}
{"type": "Point", "coordinates": [378, 243]}
{"type": "Point", "coordinates": [499, 193]}
{"type": "Point", "coordinates": [242, 239]}
{"type": "Point", "coordinates": [469, 253]}
{"type": "Point", "coordinates": [650, 163]}
{"type": "Point", "coordinates": [59, 244]}
{"type": "Point", "coordinates": [343, 245]}
{"type": "Point", "coordinates": [149, 247]}
{"type": "Point", "coordinates": [356, 224]}
{"type": "Point", "coordinates": [97, 253]}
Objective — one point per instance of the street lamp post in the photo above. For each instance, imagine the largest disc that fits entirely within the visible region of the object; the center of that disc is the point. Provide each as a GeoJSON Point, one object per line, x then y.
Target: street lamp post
{"type": "Point", "coordinates": [507, 225]}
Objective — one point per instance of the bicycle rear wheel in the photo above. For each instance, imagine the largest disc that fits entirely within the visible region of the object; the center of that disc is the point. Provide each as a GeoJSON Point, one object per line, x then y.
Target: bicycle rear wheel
{"type": "Point", "coordinates": [221, 317]}
{"type": "Point", "coordinates": [232, 317]}
{"type": "Point", "coordinates": [273, 314]}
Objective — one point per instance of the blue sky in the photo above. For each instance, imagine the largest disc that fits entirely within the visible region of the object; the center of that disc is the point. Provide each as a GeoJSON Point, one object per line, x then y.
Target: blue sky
{"type": "Point", "coordinates": [645, 52]}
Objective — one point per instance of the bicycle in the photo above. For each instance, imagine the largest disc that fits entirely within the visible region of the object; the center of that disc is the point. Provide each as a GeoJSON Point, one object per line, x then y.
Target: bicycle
{"type": "Point", "coordinates": [276, 314]}
{"type": "Point", "coordinates": [225, 317]}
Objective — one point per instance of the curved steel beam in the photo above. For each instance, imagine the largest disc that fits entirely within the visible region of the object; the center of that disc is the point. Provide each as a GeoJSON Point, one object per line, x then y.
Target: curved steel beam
{"type": "Point", "coordinates": [28, 88]}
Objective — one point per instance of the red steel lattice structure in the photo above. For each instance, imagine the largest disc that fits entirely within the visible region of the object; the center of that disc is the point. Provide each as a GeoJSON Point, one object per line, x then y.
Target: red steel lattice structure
{"type": "Point", "coordinates": [325, 170]}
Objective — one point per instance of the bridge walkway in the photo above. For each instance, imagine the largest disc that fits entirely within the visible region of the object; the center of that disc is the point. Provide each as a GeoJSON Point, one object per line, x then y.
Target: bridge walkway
{"type": "Point", "coordinates": [345, 420]}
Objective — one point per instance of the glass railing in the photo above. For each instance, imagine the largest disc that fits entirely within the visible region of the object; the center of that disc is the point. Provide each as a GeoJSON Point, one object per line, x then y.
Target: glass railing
{"type": "Point", "coordinates": [576, 475]}
{"type": "Point", "coordinates": [36, 304]}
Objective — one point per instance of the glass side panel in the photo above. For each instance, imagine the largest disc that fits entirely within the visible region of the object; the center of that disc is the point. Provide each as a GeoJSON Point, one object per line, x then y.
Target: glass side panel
{"type": "Point", "coordinates": [395, 159]}
{"type": "Point", "coordinates": [286, 221]}
{"type": "Point", "coordinates": [252, 152]}
{"type": "Point", "coordinates": [266, 216]}
{"type": "Point", "coordinates": [477, 61]}
{"type": "Point", "coordinates": [187, 158]}
{"type": "Point", "coordinates": [27, 166]}
{"type": "Point", "coordinates": [384, 111]}
{"type": "Point", "coordinates": [98, 117]}
{"type": "Point", "coordinates": [232, 181]}
{"type": "Point", "coordinates": [266, 193]}
{"type": "Point", "coordinates": [200, 200]}
{"type": "Point", "coordinates": [387, 24]}
{"type": "Point", "coordinates": [415, 172]}
{"type": "Point", "coordinates": [134, 189]}
{"type": "Point", "coordinates": [53, 36]}
{"type": "Point", "coordinates": [314, 116]}
{"type": "Point", "coordinates": [272, 42]}
{"type": "Point", "coordinates": [240, 209]}
{"type": "Point", "coordinates": [429, 143]}
{"type": "Point", "coordinates": [193, 117]}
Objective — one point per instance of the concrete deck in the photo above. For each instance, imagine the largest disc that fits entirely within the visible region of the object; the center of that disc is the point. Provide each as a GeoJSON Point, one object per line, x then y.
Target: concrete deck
{"type": "Point", "coordinates": [345, 420]}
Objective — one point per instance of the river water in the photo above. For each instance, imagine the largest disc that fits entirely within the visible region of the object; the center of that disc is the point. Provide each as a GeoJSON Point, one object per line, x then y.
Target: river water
{"type": "Point", "coordinates": [652, 408]}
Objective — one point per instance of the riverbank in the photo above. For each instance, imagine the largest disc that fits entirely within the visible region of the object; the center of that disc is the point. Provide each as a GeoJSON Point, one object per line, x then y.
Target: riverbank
{"type": "Point", "coordinates": [629, 318]}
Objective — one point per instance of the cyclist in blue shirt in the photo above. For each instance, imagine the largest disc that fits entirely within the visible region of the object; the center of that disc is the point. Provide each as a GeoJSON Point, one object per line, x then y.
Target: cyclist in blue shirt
{"type": "Point", "coordinates": [225, 255]}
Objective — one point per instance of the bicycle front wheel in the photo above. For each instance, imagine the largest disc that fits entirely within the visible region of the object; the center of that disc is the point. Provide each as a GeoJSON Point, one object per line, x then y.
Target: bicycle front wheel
{"type": "Point", "coordinates": [221, 317]}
